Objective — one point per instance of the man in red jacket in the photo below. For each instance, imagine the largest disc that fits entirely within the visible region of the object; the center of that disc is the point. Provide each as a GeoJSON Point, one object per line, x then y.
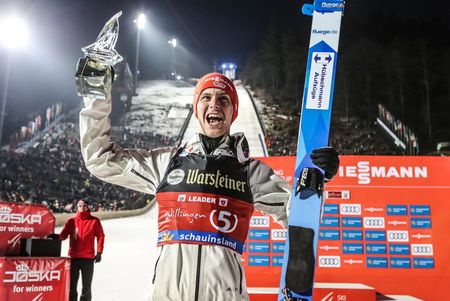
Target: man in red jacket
{"type": "Point", "coordinates": [83, 228]}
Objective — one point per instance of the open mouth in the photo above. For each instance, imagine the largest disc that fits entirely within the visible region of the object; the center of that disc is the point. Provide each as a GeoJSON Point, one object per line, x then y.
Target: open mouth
{"type": "Point", "coordinates": [214, 119]}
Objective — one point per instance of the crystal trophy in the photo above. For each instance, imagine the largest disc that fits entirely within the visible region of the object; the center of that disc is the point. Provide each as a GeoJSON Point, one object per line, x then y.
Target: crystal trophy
{"type": "Point", "coordinates": [94, 73]}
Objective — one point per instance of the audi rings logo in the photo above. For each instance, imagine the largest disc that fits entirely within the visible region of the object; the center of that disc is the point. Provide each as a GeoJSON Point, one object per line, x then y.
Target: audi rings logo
{"type": "Point", "coordinates": [422, 249]}
{"type": "Point", "coordinates": [259, 221]}
{"type": "Point", "coordinates": [373, 222]}
{"type": "Point", "coordinates": [329, 261]}
{"type": "Point", "coordinates": [279, 234]}
{"type": "Point", "coordinates": [398, 236]}
{"type": "Point", "coordinates": [350, 209]}
{"type": "Point", "coordinates": [175, 177]}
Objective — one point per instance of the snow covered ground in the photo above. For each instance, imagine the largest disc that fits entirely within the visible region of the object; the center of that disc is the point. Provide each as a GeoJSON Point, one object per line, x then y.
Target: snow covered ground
{"type": "Point", "coordinates": [126, 270]}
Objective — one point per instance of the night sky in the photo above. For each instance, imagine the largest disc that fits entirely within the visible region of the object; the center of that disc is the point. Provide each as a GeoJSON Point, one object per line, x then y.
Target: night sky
{"type": "Point", "coordinates": [207, 31]}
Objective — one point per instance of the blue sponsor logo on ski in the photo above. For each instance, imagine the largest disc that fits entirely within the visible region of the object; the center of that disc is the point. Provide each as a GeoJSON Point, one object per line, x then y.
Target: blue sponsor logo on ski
{"type": "Point", "coordinates": [402, 263]}
{"type": "Point", "coordinates": [397, 210]}
{"type": "Point", "coordinates": [378, 235]}
{"type": "Point", "coordinates": [258, 247]}
{"type": "Point", "coordinates": [376, 262]}
{"type": "Point", "coordinates": [329, 221]}
{"type": "Point", "coordinates": [258, 234]}
{"type": "Point", "coordinates": [420, 222]}
{"type": "Point", "coordinates": [423, 263]}
{"type": "Point", "coordinates": [419, 210]}
{"type": "Point", "coordinates": [258, 261]}
{"type": "Point", "coordinates": [351, 222]}
{"type": "Point", "coordinates": [329, 5]}
{"type": "Point", "coordinates": [277, 261]}
{"type": "Point", "coordinates": [331, 209]}
{"type": "Point", "coordinates": [352, 235]}
{"type": "Point", "coordinates": [324, 31]}
{"type": "Point", "coordinates": [352, 248]}
{"type": "Point", "coordinates": [399, 249]}
{"type": "Point", "coordinates": [278, 247]}
{"type": "Point", "coordinates": [329, 235]}
{"type": "Point", "coordinates": [376, 249]}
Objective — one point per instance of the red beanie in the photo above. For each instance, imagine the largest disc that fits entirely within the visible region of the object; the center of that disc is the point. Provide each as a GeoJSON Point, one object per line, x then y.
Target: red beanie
{"type": "Point", "coordinates": [218, 81]}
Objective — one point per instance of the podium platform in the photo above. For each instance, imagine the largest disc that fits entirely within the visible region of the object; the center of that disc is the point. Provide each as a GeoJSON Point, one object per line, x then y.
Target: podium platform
{"type": "Point", "coordinates": [331, 292]}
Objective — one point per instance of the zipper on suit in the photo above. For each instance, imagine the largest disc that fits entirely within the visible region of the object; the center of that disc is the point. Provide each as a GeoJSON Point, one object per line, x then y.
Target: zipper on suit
{"type": "Point", "coordinates": [141, 176]}
{"type": "Point", "coordinates": [197, 278]}
{"type": "Point", "coordinates": [156, 265]}
{"type": "Point", "coordinates": [240, 274]}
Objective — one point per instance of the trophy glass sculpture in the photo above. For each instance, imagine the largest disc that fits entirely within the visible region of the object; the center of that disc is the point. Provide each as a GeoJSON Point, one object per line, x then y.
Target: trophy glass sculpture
{"type": "Point", "coordinates": [94, 71]}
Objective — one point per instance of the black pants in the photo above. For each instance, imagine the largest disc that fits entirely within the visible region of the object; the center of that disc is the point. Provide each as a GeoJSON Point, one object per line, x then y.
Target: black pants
{"type": "Point", "coordinates": [86, 267]}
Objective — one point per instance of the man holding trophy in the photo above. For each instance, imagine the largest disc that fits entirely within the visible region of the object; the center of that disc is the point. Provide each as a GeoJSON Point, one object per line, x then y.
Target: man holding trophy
{"type": "Point", "coordinates": [206, 190]}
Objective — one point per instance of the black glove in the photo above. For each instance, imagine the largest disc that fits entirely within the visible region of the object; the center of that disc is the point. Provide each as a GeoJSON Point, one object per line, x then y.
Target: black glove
{"type": "Point", "coordinates": [98, 257]}
{"type": "Point", "coordinates": [53, 236]}
{"type": "Point", "coordinates": [327, 158]}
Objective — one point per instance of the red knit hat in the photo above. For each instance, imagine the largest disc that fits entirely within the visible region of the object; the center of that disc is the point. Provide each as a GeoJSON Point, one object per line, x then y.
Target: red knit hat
{"type": "Point", "coordinates": [218, 81]}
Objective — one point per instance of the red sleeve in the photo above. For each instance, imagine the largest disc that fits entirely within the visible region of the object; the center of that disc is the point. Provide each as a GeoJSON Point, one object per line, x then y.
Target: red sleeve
{"type": "Point", "coordinates": [100, 236]}
{"type": "Point", "coordinates": [67, 229]}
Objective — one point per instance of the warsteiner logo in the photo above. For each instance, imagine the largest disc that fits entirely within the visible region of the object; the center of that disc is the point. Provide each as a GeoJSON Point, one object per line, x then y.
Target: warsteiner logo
{"type": "Point", "coordinates": [217, 179]}
{"type": "Point", "coordinates": [175, 177]}
{"type": "Point", "coordinates": [365, 172]}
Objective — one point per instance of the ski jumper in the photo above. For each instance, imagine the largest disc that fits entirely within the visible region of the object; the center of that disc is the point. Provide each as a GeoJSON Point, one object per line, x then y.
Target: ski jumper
{"type": "Point", "coordinates": [205, 203]}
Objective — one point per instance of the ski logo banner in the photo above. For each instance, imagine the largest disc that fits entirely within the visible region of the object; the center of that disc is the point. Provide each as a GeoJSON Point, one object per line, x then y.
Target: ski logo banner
{"type": "Point", "coordinates": [19, 221]}
{"type": "Point", "coordinates": [381, 237]}
{"type": "Point", "coordinates": [34, 279]}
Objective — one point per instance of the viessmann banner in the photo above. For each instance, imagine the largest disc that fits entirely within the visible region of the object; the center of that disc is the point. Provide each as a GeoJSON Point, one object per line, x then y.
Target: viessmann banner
{"type": "Point", "coordinates": [22, 221]}
{"type": "Point", "coordinates": [385, 225]}
{"type": "Point", "coordinates": [34, 279]}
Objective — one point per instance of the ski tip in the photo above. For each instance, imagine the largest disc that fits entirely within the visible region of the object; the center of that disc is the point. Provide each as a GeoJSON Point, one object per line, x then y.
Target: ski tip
{"type": "Point", "coordinates": [308, 9]}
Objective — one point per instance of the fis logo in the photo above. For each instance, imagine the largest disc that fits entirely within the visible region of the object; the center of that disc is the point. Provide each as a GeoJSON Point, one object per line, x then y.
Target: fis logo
{"type": "Point", "coordinates": [365, 172]}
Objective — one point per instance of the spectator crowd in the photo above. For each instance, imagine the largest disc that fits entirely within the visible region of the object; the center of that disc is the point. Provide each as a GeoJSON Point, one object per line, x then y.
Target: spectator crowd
{"type": "Point", "coordinates": [52, 172]}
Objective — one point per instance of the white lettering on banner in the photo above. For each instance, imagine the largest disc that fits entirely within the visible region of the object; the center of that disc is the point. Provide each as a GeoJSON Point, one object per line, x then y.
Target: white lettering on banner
{"type": "Point", "coordinates": [23, 274]}
{"type": "Point", "coordinates": [365, 172]}
{"type": "Point", "coordinates": [18, 218]}
{"type": "Point", "coordinates": [319, 86]}
{"type": "Point", "coordinates": [224, 218]}
{"type": "Point", "coordinates": [202, 199]}
{"type": "Point", "coordinates": [179, 213]}
{"type": "Point", "coordinates": [208, 238]}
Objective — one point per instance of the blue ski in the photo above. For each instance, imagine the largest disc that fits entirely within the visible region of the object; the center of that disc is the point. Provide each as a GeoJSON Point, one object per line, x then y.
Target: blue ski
{"type": "Point", "coordinates": [297, 277]}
